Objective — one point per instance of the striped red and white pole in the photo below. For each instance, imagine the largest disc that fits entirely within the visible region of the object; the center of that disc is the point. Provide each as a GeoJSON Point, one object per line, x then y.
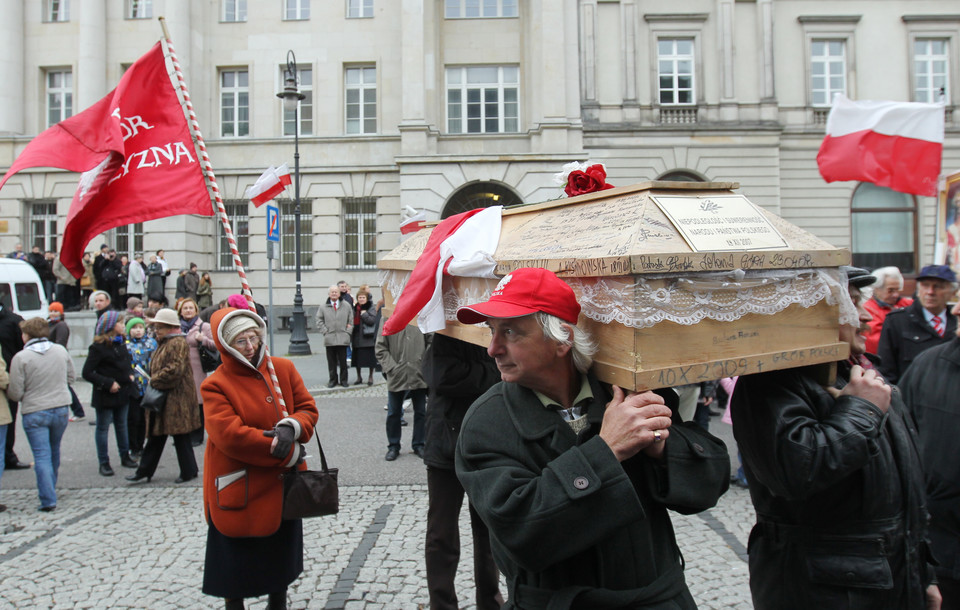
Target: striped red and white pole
{"type": "Point", "coordinates": [211, 180]}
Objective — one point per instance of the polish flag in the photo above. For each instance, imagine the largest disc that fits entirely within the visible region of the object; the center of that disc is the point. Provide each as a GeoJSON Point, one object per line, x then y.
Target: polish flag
{"type": "Point", "coordinates": [461, 245]}
{"type": "Point", "coordinates": [413, 224]}
{"type": "Point", "coordinates": [270, 184]}
{"type": "Point", "coordinates": [894, 144]}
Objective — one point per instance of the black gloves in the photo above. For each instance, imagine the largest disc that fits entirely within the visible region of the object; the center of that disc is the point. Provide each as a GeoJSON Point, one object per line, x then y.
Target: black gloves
{"type": "Point", "coordinates": [285, 435]}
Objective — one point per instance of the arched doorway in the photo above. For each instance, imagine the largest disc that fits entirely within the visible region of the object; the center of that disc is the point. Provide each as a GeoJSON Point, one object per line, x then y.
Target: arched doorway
{"type": "Point", "coordinates": [475, 195]}
{"type": "Point", "coordinates": [682, 175]}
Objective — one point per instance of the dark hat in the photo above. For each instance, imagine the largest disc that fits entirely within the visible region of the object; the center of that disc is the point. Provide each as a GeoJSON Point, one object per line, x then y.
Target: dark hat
{"type": "Point", "coordinates": [940, 272]}
{"type": "Point", "coordinates": [859, 278]}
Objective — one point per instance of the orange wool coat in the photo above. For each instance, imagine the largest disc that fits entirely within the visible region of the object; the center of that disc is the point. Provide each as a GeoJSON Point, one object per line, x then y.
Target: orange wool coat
{"type": "Point", "coordinates": [242, 490]}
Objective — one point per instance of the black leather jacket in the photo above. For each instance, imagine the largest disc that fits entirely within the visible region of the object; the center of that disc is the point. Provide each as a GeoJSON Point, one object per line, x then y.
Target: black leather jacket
{"type": "Point", "coordinates": [930, 388]}
{"type": "Point", "coordinates": [457, 373]}
{"type": "Point", "coordinates": [838, 490]}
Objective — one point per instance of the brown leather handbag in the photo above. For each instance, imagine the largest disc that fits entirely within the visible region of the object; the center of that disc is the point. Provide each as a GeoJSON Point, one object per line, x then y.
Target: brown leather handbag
{"type": "Point", "coordinates": [311, 493]}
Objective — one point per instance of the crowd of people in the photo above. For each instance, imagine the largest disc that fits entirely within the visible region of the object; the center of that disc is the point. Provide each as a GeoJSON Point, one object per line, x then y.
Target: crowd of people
{"type": "Point", "coordinates": [570, 482]}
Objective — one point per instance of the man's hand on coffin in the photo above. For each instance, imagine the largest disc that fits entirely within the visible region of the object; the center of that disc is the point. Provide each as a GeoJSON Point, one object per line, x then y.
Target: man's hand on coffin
{"type": "Point", "coordinates": [868, 385]}
{"type": "Point", "coordinates": [634, 423]}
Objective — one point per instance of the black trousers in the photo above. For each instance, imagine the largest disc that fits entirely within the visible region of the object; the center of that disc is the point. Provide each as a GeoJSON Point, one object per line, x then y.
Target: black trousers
{"type": "Point", "coordinates": [337, 356]}
{"type": "Point", "coordinates": [10, 457]}
{"type": "Point", "coordinates": [443, 546]}
{"type": "Point", "coordinates": [154, 449]}
{"type": "Point", "coordinates": [950, 590]}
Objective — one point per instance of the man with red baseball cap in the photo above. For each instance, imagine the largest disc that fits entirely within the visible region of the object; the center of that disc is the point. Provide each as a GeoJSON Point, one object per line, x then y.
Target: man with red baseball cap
{"type": "Point", "coordinates": [571, 482]}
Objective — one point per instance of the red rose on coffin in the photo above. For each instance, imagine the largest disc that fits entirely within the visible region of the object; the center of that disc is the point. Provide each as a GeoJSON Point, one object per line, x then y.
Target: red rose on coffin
{"type": "Point", "coordinates": [590, 180]}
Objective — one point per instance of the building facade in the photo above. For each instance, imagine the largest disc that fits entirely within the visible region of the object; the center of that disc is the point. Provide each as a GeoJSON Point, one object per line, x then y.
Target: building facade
{"type": "Point", "coordinates": [445, 105]}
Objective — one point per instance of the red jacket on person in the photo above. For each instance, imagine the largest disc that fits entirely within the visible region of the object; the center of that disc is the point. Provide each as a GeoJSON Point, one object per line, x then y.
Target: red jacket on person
{"type": "Point", "coordinates": [879, 312]}
{"type": "Point", "coordinates": [242, 490]}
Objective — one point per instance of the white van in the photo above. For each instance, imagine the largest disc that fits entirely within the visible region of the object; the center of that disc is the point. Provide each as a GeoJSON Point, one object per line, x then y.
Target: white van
{"type": "Point", "coordinates": [21, 290]}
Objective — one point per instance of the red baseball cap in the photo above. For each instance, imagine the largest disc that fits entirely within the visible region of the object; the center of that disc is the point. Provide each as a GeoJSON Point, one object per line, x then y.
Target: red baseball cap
{"type": "Point", "coordinates": [523, 292]}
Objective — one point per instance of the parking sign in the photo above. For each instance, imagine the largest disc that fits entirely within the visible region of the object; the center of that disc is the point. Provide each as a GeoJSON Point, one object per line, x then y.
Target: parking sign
{"type": "Point", "coordinates": [273, 223]}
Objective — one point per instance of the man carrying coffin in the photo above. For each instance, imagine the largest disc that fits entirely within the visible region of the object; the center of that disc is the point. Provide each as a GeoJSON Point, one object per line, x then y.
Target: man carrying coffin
{"type": "Point", "coordinates": [836, 481]}
{"type": "Point", "coordinates": [574, 483]}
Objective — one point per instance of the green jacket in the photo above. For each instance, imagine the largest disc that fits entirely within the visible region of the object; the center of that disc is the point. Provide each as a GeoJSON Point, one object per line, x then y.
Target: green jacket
{"type": "Point", "coordinates": [570, 526]}
{"type": "Point", "coordinates": [400, 356]}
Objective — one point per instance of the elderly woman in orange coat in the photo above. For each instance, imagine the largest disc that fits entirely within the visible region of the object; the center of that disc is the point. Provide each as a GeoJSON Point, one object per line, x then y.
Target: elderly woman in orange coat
{"type": "Point", "coordinates": [251, 441]}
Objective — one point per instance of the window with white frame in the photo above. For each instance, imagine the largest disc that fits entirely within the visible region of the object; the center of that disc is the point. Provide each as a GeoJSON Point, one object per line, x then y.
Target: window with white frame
{"type": "Point", "coordinates": [139, 9]}
{"type": "Point", "coordinates": [479, 9]}
{"type": "Point", "coordinates": [483, 99]}
{"type": "Point", "coordinates": [57, 10]}
{"type": "Point", "coordinates": [359, 232]}
{"type": "Point", "coordinates": [288, 231]}
{"type": "Point", "coordinates": [59, 95]}
{"type": "Point", "coordinates": [360, 104]}
{"type": "Point", "coordinates": [931, 70]}
{"type": "Point", "coordinates": [234, 103]}
{"type": "Point", "coordinates": [359, 9]}
{"type": "Point", "coordinates": [675, 71]}
{"type": "Point", "coordinates": [43, 225]}
{"type": "Point", "coordinates": [129, 239]}
{"type": "Point", "coordinates": [883, 227]}
{"type": "Point", "coordinates": [239, 215]}
{"type": "Point", "coordinates": [305, 109]}
{"type": "Point", "coordinates": [828, 71]}
{"type": "Point", "coordinates": [296, 9]}
{"type": "Point", "coordinates": [234, 10]}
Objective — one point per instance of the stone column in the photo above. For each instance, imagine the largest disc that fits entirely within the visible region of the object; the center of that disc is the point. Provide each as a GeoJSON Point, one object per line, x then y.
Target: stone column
{"type": "Point", "coordinates": [415, 57]}
{"type": "Point", "coordinates": [11, 67]}
{"type": "Point", "coordinates": [725, 38]}
{"type": "Point", "coordinates": [90, 81]}
{"type": "Point", "coordinates": [768, 94]}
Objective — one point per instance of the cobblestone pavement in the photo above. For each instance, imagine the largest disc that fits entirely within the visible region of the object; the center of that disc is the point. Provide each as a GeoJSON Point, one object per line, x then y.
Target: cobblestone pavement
{"type": "Point", "coordinates": [112, 545]}
{"type": "Point", "coordinates": [143, 548]}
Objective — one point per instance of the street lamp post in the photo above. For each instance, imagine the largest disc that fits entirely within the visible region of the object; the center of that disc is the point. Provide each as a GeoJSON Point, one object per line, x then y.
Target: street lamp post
{"type": "Point", "coordinates": [291, 96]}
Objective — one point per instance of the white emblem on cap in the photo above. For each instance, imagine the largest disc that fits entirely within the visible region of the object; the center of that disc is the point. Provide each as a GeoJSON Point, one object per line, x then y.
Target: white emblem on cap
{"type": "Point", "coordinates": [503, 284]}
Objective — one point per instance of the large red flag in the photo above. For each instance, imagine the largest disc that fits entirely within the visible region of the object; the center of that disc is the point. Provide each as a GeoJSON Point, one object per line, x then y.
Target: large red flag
{"type": "Point", "coordinates": [893, 144]}
{"type": "Point", "coordinates": [136, 154]}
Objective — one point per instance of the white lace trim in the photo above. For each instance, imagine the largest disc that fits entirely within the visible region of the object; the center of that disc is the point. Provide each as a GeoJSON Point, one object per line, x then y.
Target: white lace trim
{"type": "Point", "coordinates": [642, 301]}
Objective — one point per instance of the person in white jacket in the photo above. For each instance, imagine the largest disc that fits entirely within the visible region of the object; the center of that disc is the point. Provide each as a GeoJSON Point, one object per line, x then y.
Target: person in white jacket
{"type": "Point", "coordinates": [40, 378]}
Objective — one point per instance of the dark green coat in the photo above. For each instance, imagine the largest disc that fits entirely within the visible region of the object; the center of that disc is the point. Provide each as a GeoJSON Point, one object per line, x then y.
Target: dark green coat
{"type": "Point", "coordinates": [569, 524]}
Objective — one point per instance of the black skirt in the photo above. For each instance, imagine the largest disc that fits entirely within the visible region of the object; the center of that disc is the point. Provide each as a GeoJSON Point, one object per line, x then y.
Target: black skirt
{"type": "Point", "coordinates": [251, 567]}
{"type": "Point", "coordinates": [363, 357]}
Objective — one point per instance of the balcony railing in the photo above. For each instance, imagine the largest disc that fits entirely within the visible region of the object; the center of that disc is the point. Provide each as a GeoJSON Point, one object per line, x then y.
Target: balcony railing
{"type": "Point", "coordinates": [685, 115]}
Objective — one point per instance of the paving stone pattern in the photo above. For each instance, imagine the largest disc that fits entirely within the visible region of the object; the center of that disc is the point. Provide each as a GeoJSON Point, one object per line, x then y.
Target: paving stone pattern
{"type": "Point", "coordinates": [143, 547]}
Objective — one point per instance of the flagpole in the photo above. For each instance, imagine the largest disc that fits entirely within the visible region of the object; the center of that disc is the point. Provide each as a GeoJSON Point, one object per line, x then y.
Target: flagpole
{"type": "Point", "coordinates": [211, 180]}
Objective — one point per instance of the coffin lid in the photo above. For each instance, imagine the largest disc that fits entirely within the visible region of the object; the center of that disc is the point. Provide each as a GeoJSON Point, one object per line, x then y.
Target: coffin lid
{"type": "Point", "coordinates": [623, 231]}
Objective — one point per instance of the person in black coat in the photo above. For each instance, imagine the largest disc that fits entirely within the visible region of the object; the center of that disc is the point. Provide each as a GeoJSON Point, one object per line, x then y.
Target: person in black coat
{"type": "Point", "coordinates": [109, 370]}
{"type": "Point", "coordinates": [930, 389]}
{"type": "Point", "coordinates": [11, 342]}
{"type": "Point", "coordinates": [837, 484]}
{"type": "Point", "coordinates": [366, 321]}
{"type": "Point", "coordinates": [457, 373]}
{"type": "Point", "coordinates": [910, 331]}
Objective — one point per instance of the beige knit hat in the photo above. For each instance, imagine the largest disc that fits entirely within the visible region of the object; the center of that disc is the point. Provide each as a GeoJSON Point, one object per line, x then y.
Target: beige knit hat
{"type": "Point", "coordinates": [236, 324]}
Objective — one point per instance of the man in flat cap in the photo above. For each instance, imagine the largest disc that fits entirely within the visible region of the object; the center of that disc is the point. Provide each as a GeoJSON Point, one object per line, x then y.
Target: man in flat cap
{"type": "Point", "coordinates": [927, 322]}
{"type": "Point", "coordinates": [835, 478]}
{"type": "Point", "coordinates": [574, 483]}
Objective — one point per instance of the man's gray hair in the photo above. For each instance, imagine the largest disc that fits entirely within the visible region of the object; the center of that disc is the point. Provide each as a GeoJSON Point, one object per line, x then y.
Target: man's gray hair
{"type": "Point", "coordinates": [582, 345]}
{"type": "Point", "coordinates": [886, 273]}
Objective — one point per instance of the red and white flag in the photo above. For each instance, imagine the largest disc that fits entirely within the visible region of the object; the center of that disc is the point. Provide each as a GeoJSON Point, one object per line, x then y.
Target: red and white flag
{"type": "Point", "coordinates": [136, 154]}
{"type": "Point", "coordinates": [413, 224]}
{"type": "Point", "coordinates": [269, 185]}
{"type": "Point", "coordinates": [894, 144]}
{"type": "Point", "coordinates": [461, 245]}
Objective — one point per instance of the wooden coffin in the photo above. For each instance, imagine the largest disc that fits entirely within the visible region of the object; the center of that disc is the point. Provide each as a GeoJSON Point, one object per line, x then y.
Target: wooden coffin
{"type": "Point", "coordinates": [667, 241]}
